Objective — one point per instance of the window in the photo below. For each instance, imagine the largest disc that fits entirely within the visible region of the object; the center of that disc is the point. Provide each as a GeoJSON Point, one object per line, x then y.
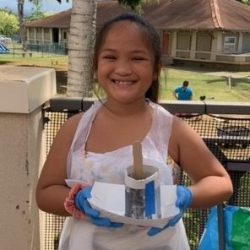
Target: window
{"type": "Point", "coordinates": [230, 43]}
{"type": "Point", "coordinates": [203, 41]}
{"type": "Point", "coordinates": [183, 41]}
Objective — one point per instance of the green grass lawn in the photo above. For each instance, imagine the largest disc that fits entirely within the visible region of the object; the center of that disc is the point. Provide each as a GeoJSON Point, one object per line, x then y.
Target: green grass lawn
{"type": "Point", "coordinates": [215, 88]}
{"type": "Point", "coordinates": [37, 59]}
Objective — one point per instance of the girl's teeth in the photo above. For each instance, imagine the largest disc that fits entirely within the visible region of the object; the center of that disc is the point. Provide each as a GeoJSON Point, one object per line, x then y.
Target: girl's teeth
{"type": "Point", "coordinates": [123, 83]}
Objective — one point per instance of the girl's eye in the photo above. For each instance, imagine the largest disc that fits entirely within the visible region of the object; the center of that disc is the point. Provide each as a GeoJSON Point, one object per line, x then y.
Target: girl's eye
{"type": "Point", "coordinates": [109, 57]}
{"type": "Point", "coordinates": [139, 59]}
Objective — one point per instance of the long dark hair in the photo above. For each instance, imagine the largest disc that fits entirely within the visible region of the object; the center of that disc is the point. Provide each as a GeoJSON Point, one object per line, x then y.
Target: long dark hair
{"type": "Point", "coordinates": [153, 40]}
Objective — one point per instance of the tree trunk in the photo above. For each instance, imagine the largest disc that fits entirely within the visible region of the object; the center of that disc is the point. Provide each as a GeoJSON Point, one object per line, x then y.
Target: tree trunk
{"type": "Point", "coordinates": [80, 48]}
{"type": "Point", "coordinates": [20, 6]}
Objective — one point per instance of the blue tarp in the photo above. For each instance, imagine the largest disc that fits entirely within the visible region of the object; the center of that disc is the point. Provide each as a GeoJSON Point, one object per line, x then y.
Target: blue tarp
{"type": "Point", "coordinates": [3, 49]}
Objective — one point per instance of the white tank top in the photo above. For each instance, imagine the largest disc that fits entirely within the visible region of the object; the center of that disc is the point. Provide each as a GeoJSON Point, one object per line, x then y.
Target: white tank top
{"type": "Point", "coordinates": [110, 167]}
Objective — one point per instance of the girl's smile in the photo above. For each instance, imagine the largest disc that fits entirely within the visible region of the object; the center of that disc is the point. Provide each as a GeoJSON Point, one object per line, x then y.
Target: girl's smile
{"type": "Point", "coordinates": [123, 83]}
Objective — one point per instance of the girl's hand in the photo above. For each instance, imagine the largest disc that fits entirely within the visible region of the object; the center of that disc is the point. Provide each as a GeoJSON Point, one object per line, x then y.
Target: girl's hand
{"type": "Point", "coordinates": [183, 201]}
{"type": "Point", "coordinates": [83, 205]}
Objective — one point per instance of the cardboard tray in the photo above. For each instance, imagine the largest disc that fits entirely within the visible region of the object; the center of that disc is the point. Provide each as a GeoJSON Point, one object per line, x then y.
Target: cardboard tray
{"type": "Point", "coordinates": [109, 199]}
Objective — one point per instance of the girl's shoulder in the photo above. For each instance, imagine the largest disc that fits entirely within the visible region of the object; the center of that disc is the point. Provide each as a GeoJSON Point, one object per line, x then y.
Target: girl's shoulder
{"type": "Point", "coordinates": [70, 125]}
{"type": "Point", "coordinates": [74, 120]}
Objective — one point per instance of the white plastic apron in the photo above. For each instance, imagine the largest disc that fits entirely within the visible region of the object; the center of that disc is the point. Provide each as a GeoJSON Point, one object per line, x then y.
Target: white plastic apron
{"type": "Point", "coordinates": [110, 167]}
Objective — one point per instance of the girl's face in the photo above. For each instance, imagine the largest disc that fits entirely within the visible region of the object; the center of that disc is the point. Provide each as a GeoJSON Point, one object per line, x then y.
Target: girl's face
{"type": "Point", "coordinates": [125, 64]}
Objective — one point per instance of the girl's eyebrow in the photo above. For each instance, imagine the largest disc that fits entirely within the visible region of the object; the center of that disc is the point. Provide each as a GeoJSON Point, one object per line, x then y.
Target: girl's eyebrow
{"type": "Point", "coordinates": [137, 51]}
{"type": "Point", "coordinates": [108, 50]}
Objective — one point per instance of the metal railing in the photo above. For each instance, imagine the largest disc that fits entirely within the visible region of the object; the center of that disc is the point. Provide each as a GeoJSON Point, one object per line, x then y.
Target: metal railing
{"type": "Point", "coordinates": [225, 128]}
{"type": "Point", "coordinates": [54, 48]}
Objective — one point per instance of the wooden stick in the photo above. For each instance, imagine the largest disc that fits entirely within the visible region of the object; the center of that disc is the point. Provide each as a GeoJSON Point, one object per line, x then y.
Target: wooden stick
{"type": "Point", "coordinates": [138, 162]}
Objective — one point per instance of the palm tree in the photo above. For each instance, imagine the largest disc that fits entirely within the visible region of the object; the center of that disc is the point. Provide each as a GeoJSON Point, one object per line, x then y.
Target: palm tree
{"type": "Point", "coordinates": [20, 5]}
{"type": "Point", "coordinates": [80, 47]}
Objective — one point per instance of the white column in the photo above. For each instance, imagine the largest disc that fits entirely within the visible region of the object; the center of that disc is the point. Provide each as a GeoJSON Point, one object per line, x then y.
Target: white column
{"type": "Point", "coordinates": [219, 42]}
{"type": "Point", "coordinates": [28, 34]}
{"type": "Point", "coordinates": [193, 45]}
{"type": "Point", "coordinates": [240, 42]}
{"type": "Point", "coordinates": [51, 36]}
{"type": "Point", "coordinates": [60, 36]}
{"type": "Point", "coordinates": [42, 35]}
{"type": "Point", "coordinates": [23, 90]}
{"type": "Point", "coordinates": [35, 35]}
{"type": "Point", "coordinates": [214, 46]}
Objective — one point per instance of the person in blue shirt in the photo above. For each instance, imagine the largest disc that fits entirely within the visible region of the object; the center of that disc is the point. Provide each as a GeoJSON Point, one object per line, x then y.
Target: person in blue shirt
{"type": "Point", "coordinates": [183, 93]}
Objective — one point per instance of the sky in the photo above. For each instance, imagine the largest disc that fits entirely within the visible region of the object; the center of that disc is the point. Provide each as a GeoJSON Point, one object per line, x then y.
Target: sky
{"type": "Point", "coordinates": [51, 6]}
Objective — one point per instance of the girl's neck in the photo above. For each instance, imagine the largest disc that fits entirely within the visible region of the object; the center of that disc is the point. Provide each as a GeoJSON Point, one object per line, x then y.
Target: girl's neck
{"type": "Point", "coordinates": [125, 110]}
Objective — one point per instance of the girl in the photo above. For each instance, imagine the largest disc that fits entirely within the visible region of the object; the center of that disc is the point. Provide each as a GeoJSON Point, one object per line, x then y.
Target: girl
{"type": "Point", "coordinates": [97, 146]}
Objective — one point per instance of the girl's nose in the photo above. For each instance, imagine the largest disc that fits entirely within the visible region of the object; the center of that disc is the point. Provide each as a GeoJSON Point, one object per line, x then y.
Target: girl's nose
{"type": "Point", "coordinates": [123, 67]}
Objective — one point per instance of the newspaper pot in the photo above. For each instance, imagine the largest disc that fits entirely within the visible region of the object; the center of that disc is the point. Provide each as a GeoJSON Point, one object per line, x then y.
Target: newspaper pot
{"type": "Point", "coordinates": [142, 197]}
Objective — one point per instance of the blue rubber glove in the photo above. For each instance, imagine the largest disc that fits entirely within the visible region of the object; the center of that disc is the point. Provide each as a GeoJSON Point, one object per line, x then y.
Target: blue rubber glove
{"type": "Point", "coordinates": [83, 205]}
{"type": "Point", "coordinates": [183, 201]}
